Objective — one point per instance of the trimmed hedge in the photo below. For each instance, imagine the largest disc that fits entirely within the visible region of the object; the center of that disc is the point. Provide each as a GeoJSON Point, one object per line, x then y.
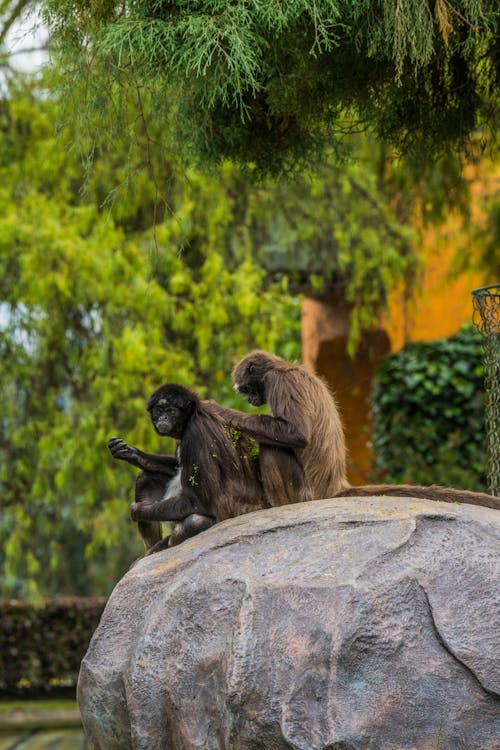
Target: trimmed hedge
{"type": "Point", "coordinates": [428, 414]}
{"type": "Point", "coordinates": [41, 647]}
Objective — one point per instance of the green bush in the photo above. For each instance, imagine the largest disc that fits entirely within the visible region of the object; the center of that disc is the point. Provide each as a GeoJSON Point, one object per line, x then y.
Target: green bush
{"type": "Point", "coordinates": [428, 414]}
{"type": "Point", "coordinates": [41, 647]}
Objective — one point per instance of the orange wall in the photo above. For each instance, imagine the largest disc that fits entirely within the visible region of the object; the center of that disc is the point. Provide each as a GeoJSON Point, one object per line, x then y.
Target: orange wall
{"type": "Point", "coordinates": [443, 301]}
{"type": "Point", "coordinates": [441, 304]}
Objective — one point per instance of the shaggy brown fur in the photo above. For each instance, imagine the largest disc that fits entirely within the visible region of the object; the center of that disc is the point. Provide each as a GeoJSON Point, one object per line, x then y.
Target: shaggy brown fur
{"type": "Point", "coordinates": [303, 439]}
{"type": "Point", "coordinates": [306, 421]}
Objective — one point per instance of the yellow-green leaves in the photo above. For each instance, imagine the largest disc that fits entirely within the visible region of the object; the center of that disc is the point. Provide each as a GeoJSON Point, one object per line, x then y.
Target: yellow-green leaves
{"type": "Point", "coordinates": [93, 317]}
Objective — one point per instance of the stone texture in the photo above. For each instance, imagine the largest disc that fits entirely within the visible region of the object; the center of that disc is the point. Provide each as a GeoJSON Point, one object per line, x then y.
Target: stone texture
{"type": "Point", "coordinates": [332, 625]}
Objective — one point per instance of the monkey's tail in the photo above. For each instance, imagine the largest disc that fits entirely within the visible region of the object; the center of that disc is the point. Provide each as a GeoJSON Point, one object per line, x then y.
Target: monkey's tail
{"type": "Point", "coordinates": [432, 492]}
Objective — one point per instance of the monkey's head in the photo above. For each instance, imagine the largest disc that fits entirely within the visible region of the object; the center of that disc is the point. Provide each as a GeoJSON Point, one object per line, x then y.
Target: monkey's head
{"type": "Point", "coordinates": [249, 375]}
{"type": "Point", "coordinates": [170, 408]}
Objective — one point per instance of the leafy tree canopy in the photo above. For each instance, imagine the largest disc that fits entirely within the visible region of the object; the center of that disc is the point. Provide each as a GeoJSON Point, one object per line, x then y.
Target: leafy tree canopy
{"type": "Point", "coordinates": [94, 314]}
{"type": "Point", "coordinates": [92, 320]}
{"type": "Point", "coordinates": [269, 82]}
{"type": "Point", "coordinates": [344, 224]}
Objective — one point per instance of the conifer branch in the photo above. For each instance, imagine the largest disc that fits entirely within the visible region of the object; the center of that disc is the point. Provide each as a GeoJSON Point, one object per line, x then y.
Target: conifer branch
{"type": "Point", "coordinates": [148, 163]}
{"type": "Point", "coordinates": [13, 16]}
{"type": "Point", "coordinates": [268, 83]}
{"type": "Point", "coordinates": [462, 18]}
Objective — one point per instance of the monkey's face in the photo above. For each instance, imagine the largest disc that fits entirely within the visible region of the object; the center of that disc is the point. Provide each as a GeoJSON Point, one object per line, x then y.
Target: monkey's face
{"type": "Point", "coordinates": [167, 419]}
{"type": "Point", "coordinates": [171, 407]}
{"type": "Point", "coordinates": [255, 392]}
{"type": "Point", "coordinates": [249, 379]}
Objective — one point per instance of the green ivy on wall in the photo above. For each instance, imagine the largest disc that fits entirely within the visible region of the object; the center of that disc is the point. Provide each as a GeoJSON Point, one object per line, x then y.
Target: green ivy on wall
{"type": "Point", "coordinates": [428, 414]}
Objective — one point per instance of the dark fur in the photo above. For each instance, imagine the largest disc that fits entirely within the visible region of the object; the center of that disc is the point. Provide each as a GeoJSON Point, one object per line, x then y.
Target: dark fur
{"type": "Point", "coordinates": [305, 419]}
{"type": "Point", "coordinates": [219, 479]}
{"type": "Point", "coordinates": [150, 488]}
{"type": "Point", "coordinates": [151, 484]}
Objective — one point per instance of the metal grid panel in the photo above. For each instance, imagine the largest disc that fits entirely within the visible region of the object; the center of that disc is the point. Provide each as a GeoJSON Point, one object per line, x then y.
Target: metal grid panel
{"type": "Point", "coordinates": [486, 318]}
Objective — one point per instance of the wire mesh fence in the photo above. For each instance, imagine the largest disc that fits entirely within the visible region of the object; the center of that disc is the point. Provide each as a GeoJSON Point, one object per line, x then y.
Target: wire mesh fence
{"type": "Point", "coordinates": [486, 318]}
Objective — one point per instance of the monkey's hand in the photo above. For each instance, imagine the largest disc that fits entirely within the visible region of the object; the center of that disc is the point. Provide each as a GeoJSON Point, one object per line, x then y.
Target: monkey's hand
{"type": "Point", "coordinates": [123, 452]}
{"type": "Point", "coordinates": [136, 512]}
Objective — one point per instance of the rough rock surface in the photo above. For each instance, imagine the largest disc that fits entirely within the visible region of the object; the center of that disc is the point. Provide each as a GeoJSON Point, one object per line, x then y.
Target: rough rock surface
{"type": "Point", "coordinates": [332, 625]}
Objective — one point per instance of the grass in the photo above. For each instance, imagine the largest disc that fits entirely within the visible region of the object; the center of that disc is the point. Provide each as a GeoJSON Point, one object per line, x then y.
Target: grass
{"type": "Point", "coordinates": [28, 705]}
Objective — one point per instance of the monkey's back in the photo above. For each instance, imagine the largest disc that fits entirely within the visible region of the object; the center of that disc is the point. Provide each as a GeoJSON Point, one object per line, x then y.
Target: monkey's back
{"type": "Point", "coordinates": [305, 400]}
{"type": "Point", "coordinates": [222, 463]}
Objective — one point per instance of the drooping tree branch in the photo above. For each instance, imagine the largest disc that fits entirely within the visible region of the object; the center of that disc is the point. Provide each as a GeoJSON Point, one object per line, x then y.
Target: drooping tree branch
{"type": "Point", "coordinates": [9, 13]}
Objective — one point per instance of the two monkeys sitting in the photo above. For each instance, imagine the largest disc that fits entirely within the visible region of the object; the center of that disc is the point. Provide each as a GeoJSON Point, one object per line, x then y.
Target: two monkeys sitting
{"type": "Point", "coordinates": [229, 462]}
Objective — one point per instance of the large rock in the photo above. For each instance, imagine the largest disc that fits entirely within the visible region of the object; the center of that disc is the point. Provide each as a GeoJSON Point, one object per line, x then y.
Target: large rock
{"type": "Point", "coordinates": [332, 625]}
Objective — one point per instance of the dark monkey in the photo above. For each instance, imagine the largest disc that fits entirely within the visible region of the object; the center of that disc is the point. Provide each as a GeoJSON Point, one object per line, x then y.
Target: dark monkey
{"type": "Point", "coordinates": [157, 480]}
{"type": "Point", "coordinates": [305, 419]}
{"type": "Point", "coordinates": [218, 473]}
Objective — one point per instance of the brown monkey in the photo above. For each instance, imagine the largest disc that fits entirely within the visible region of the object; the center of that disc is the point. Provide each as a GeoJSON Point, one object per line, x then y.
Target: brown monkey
{"type": "Point", "coordinates": [305, 431]}
{"type": "Point", "coordinates": [218, 474]}
{"type": "Point", "coordinates": [305, 419]}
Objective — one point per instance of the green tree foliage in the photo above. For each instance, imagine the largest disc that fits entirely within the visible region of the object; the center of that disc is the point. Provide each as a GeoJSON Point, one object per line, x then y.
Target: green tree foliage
{"type": "Point", "coordinates": [92, 320]}
{"type": "Point", "coordinates": [491, 253]}
{"type": "Point", "coordinates": [485, 237]}
{"type": "Point", "coordinates": [269, 83]}
{"type": "Point", "coordinates": [341, 224]}
{"type": "Point", "coordinates": [148, 275]}
{"type": "Point", "coordinates": [428, 414]}
{"type": "Point", "coordinates": [331, 228]}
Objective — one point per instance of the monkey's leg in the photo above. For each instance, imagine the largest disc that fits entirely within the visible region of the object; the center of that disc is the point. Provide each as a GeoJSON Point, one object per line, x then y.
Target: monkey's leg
{"type": "Point", "coordinates": [192, 525]}
{"type": "Point", "coordinates": [185, 503]}
{"type": "Point", "coordinates": [150, 487]}
{"type": "Point", "coordinates": [150, 532]}
{"type": "Point", "coordinates": [162, 544]}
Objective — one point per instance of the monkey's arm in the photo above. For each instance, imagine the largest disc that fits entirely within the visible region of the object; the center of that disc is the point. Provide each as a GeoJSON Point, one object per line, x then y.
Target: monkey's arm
{"type": "Point", "coordinates": [175, 508]}
{"type": "Point", "coordinates": [266, 429]}
{"type": "Point", "coordinates": [147, 461]}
